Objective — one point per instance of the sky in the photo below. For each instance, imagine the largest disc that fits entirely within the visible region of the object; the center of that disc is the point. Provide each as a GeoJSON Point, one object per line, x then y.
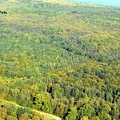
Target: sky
{"type": "Point", "coordinates": [101, 2]}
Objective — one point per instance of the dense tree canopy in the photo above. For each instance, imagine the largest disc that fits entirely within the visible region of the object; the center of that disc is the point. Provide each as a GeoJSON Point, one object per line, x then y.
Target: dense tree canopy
{"type": "Point", "coordinates": [59, 57]}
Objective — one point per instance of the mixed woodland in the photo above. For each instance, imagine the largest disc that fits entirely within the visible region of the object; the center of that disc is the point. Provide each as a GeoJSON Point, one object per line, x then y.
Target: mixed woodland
{"type": "Point", "coordinates": [61, 58]}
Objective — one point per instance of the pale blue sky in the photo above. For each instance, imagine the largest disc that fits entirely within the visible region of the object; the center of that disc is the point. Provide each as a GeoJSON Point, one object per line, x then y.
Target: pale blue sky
{"type": "Point", "coordinates": [102, 2]}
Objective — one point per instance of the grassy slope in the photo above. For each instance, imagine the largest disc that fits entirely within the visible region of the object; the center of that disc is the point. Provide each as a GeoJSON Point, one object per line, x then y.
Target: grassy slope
{"type": "Point", "coordinates": [47, 116]}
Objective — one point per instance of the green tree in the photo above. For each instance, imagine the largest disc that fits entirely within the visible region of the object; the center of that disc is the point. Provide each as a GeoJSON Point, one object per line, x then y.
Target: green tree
{"type": "Point", "coordinates": [72, 114]}
{"type": "Point", "coordinates": [42, 102]}
{"type": "Point", "coordinates": [94, 118]}
{"type": "Point", "coordinates": [84, 118]}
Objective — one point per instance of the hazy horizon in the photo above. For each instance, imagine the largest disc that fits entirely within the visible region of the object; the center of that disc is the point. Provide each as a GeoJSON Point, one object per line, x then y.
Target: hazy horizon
{"type": "Point", "coordinates": [100, 2]}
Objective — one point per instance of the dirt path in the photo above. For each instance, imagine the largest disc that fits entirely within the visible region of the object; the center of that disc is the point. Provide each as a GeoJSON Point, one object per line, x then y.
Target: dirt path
{"type": "Point", "coordinates": [47, 116]}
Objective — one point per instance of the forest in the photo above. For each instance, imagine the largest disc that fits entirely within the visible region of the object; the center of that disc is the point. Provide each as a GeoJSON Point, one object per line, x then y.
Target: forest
{"type": "Point", "coordinates": [61, 58]}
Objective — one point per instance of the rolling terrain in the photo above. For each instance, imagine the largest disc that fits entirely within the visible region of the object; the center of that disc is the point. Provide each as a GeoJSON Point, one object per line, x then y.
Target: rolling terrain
{"type": "Point", "coordinates": [59, 57]}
